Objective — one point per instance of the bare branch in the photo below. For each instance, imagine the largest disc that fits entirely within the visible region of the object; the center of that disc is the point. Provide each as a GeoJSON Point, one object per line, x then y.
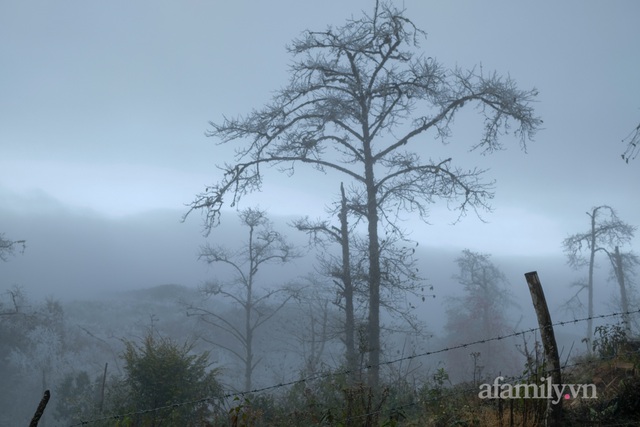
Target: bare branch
{"type": "Point", "coordinates": [633, 145]}
{"type": "Point", "coordinates": [8, 247]}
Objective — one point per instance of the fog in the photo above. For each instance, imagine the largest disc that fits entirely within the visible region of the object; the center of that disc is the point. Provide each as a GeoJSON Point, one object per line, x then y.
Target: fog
{"type": "Point", "coordinates": [103, 114]}
{"type": "Point", "coordinates": [117, 277]}
{"type": "Point", "coordinates": [84, 255]}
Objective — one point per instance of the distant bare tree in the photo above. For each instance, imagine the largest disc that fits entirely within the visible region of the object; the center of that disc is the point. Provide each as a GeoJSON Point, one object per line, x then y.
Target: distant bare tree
{"type": "Point", "coordinates": [263, 246]}
{"type": "Point", "coordinates": [480, 312]}
{"type": "Point", "coordinates": [606, 232]}
{"type": "Point", "coordinates": [312, 319]}
{"type": "Point", "coordinates": [16, 294]}
{"type": "Point", "coordinates": [360, 99]}
{"type": "Point", "coordinates": [574, 305]}
{"type": "Point", "coordinates": [8, 247]}
{"type": "Point", "coordinates": [623, 265]}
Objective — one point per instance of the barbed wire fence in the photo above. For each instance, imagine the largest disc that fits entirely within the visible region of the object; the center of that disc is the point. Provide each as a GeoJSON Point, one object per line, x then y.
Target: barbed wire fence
{"type": "Point", "coordinates": [325, 375]}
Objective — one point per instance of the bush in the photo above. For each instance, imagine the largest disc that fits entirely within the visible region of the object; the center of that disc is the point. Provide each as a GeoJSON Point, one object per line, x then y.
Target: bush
{"type": "Point", "coordinates": [165, 384]}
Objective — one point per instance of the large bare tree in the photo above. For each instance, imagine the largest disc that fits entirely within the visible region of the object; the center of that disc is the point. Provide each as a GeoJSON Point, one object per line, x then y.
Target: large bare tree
{"type": "Point", "coordinates": [606, 232]}
{"type": "Point", "coordinates": [263, 246]}
{"type": "Point", "coordinates": [360, 102]}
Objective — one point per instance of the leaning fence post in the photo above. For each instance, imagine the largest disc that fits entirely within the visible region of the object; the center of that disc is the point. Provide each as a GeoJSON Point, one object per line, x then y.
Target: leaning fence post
{"type": "Point", "coordinates": [553, 415]}
{"type": "Point", "coordinates": [40, 410]}
{"type": "Point", "coordinates": [104, 381]}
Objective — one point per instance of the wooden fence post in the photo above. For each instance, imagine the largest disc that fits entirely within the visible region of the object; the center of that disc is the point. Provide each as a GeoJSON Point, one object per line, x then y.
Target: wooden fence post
{"type": "Point", "coordinates": [40, 410]}
{"type": "Point", "coordinates": [553, 415]}
{"type": "Point", "coordinates": [104, 381]}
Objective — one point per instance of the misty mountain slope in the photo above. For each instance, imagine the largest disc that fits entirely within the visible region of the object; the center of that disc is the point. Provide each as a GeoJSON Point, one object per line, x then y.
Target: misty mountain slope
{"type": "Point", "coordinates": [73, 254]}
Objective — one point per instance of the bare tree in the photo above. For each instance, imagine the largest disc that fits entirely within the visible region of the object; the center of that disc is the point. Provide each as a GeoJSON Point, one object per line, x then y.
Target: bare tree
{"type": "Point", "coordinates": [338, 270]}
{"type": "Point", "coordinates": [480, 312]}
{"type": "Point", "coordinates": [622, 268]}
{"type": "Point", "coordinates": [8, 247]}
{"type": "Point", "coordinates": [606, 231]}
{"type": "Point", "coordinates": [17, 297]}
{"type": "Point", "coordinates": [264, 245]}
{"type": "Point", "coordinates": [349, 273]}
{"type": "Point", "coordinates": [359, 97]}
{"type": "Point", "coordinates": [312, 319]}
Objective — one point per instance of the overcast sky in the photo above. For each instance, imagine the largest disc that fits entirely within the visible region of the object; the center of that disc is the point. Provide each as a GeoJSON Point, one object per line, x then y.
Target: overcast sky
{"type": "Point", "coordinates": [104, 105]}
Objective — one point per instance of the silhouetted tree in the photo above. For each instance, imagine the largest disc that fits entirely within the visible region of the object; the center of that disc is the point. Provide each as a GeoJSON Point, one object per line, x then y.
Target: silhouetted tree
{"type": "Point", "coordinates": [623, 265]}
{"type": "Point", "coordinates": [358, 102]}
{"type": "Point", "coordinates": [263, 246]}
{"type": "Point", "coordinates": [481, 311]}
{"type": "Point", "coordinates": [606, 231]}
{"type": "Point", "coordinates": [349, 273]}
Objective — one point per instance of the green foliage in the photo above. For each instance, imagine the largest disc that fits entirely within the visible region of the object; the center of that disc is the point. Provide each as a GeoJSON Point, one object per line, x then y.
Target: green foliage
{"type": "Point", "coordinates": [313, 402]}
{"type": "Point", "coordinates": [437, 400]}
{"type": "Point", "coordinates": [628, 403]}
{"type": "Point", "coordinates": [161, 375]}
{"type": "Point", "coordinates": [603, 414]}
{"type": "Point", "coordinates": [245, 412]}
{"type": "Point", "coordinates": [76, 398]}
{"type": "Point", "coordinates": [434, 391]}
{"type": "Point", "coordinates": [326, 401]}
{"type": "Point", "coordinates": [610, 339]}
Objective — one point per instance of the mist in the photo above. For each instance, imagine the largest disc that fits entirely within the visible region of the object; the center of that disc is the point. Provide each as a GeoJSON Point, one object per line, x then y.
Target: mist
{"type": "Point", "coordinates": [110, 129]}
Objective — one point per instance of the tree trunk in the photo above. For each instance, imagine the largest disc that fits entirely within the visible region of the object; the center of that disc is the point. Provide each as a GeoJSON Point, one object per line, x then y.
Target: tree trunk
{"type": "Point", "coordinates": [248, 361]}
{"type": "Point", "coordinates": [348, 289]}
{"type": "Point", "coordinates": [104, 382]}
{"type": "Point", "coordinates": [623, 291]}
{"type": "Point", "coordinates": [374, 274]}
{"type": "Point", "coordinates": [590, 283]}
{"type": "Point", "coordinates": [486, 319]}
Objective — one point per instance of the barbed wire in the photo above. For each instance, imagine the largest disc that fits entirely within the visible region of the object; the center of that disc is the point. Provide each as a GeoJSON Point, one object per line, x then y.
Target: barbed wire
{"type": "Point", "coordinates": [502, 337]}
{"type": "Point", "coordinates": [324, 375]}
